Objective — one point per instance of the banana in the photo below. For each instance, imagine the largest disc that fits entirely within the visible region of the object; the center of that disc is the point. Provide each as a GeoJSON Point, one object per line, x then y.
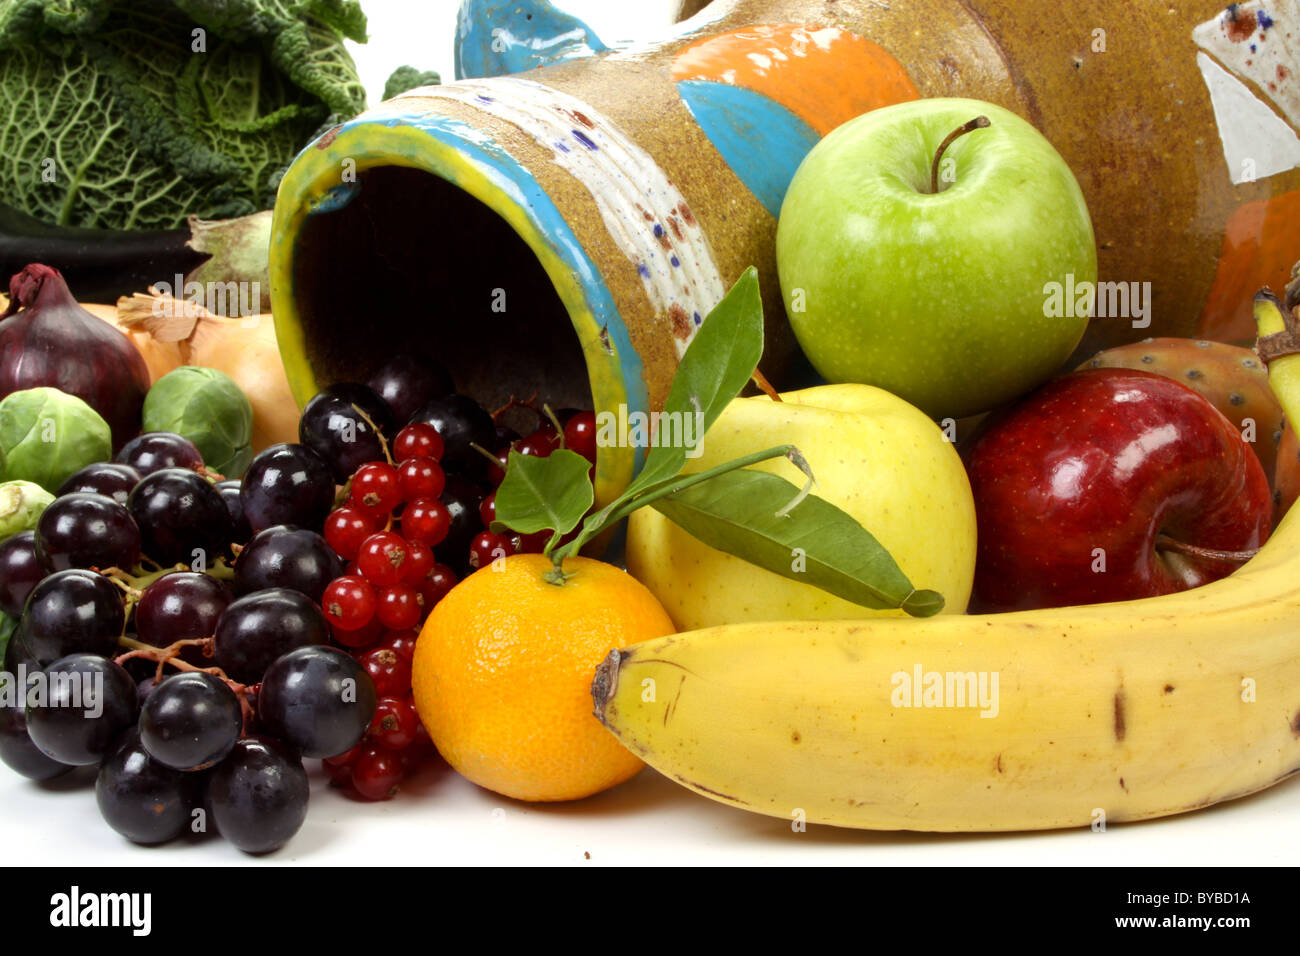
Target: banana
{"type": "Point", "coordinates": [1021, 721]}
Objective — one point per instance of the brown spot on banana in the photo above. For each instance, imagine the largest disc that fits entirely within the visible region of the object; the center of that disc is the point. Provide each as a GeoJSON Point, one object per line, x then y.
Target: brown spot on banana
{"type": "Point", "coordinates": [1120, 728]}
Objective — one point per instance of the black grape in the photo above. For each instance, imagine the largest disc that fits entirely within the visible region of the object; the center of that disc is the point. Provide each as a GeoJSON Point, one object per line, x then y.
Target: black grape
{"type": "Point", "coordinates": [257, 628]}
{"type": "Point", "coordinates": [287, 557]}
{"type": "Point", "coordinates": [460, 421]}
{"type": "Point", "coordinates": [87, 530]}
{"type": "Point", "coordinates": [107, 478]}
{"type": "Point", "coordinates": [190, 721]}
{"type": "Point", "coordinates": [70, 612]}
{"type": "Point", "coordinates": [229, 490]}
{"type": "Point", "coordinates": [287, 484]}
{"type": "Point", "coordinates": [16, 747]}
{"type": "Point", "coordinates": [154, 451]}
{"type": "Point", "coordinates": [408, 381]}
{"type": "Point", "coordinates": [318, 700]}
{"type": "Point", "coordinates": [258, 795]}
{"type": "Point", "coordinates": [181, 516]}
{"type": "Point", "coordinates": [78, 705]}
{"type": "Point", "coordinates": [20, 571]}
{"type": "Point", "coordinates": [140, 798]}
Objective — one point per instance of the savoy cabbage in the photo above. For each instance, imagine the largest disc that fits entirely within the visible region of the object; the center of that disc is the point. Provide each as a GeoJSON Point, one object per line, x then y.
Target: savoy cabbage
{"type": "Point", "coordinates": [135, 114]}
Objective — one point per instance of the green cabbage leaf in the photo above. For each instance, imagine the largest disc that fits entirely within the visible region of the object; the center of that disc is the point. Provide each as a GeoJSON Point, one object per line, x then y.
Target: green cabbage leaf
{"type": "Point", "coordinates": [134, 114]}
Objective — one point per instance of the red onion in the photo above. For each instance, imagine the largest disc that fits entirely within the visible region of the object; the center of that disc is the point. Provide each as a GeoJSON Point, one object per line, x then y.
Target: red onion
{"type": "Point", "coordinates": [47, 339]}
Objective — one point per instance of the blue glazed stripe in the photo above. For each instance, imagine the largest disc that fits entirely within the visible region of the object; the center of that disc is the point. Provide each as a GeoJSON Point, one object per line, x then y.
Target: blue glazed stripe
{"type": "Point", "coordinates": [498, 37]}
{"type": "Point", "coordinates": [761, 140]}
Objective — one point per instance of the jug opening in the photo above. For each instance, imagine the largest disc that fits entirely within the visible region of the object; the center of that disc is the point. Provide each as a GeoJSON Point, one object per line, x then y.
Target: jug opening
{"type": "Point", "coordinates": [414, 264]}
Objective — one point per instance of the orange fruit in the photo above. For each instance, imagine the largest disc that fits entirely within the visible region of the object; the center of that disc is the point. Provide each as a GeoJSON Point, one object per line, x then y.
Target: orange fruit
{"type": "Point", "coordinates": [503, 670]}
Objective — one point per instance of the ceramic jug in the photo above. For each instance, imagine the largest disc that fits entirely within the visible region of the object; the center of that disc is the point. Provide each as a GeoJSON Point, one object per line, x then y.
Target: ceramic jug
{"type": "Point", "coordinates": [564, 224]}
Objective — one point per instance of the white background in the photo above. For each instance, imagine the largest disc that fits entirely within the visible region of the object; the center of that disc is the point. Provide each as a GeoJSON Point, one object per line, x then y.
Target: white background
{"type": "Point", "coordinates": [439, 818]}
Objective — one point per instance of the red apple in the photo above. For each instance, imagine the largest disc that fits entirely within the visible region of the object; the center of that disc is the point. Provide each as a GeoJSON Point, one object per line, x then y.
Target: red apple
{"type": "Point", "coordinates": [1086, 490]}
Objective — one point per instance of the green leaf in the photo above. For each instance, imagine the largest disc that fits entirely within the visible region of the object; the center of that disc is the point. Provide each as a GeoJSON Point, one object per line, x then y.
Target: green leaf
{"type": "Point", "coordinates": [543, 493]}
{"type": "Point", "coordinates": [737, 512]}
{"type": "Point", "coordinates": [717, 364]}
{"type": "Point", "coordinates": [408, 78]}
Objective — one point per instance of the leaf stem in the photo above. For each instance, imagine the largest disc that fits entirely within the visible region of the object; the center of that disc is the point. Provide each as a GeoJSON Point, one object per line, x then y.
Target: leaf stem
{"type": "Point", "coordinates": [620, 508]}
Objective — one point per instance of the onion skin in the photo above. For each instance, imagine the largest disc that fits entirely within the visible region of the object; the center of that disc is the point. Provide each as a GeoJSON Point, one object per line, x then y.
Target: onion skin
{"type": "Point", "coordinates": [47, 339]}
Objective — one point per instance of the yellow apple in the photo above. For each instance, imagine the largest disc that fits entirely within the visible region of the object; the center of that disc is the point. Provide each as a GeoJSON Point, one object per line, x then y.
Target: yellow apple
{"type": "Point", "coordinates": [874, 456]}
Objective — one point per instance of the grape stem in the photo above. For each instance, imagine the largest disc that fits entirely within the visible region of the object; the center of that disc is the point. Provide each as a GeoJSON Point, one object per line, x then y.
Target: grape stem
{"type": "Point", "coordinates": [383, 442]}
{"type": "Point", "coordinates": [528, 403]}
{"type": "Point", "coordinates": [555, 421]}
{"type": "Point", "coordinates": [134, 584]}
{"type": "Point", "coordinates": [170, 655]}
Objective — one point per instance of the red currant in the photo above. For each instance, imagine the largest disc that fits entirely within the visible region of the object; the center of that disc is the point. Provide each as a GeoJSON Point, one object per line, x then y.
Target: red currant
{"type": "Point", "coordinates": [420, 478]}
{"type": "Point", "coordinates": [426, 520]}
{"type": "Point", "coordinates": [496, 472]}
{"type": "Point", "coordinates": [534, 543]}
{"type": "Point", "coordinates": [346, 528]}
{"type": "Point", "coordinates": [345, 759]}
{"type": "Point", "coordinates": [401, 641]}
{"type": "Point", "coordinates": [362, 637]}
{"type": "Point", "coordinates": [394, 723]}
{"type": "Point", "coordinates": [540, 443]}
{"type": "Point", "coordinates": [348, 603]}
{"type": "Point", "coordinates": [488, 547]}
{"type": "Point", "coordinates": [422, 746]}
{"type": "Point", "coordinates": [580, 435]}
{"type": "Point", "coordinates": [400, 607]}
{"type": "Point", "coordinates": [375, 488]}
{"type": "Point", "coordinates": [420, 440]}
{"type": "Point", "coordinates": [390, 671]}
{"type": "Point", "coordinates": [377, 773]}
{"type": "Point", "coordinates": [419, 562]}
{"type": "Point", "coordinates": [339, 776]}
{"type": "Point", "coordinates": [436, 584]}
{"type": "Point", "coordinates": [382, 558]}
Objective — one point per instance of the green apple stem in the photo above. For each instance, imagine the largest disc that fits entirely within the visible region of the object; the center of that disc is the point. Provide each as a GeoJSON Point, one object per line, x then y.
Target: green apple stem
{"type": "Point", "coordinates": [609, 517]}
{"type": "Point", "coordinates": [1166, 543]}
{"type": "Point", "coordinates": [978, 122]}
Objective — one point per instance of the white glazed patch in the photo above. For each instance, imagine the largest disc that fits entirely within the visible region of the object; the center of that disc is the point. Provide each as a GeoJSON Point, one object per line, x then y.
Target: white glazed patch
{"type": "Point", "coordinates": [1260, 43]}
{"type": "Point", "coordinates": [1249, 60]}
{"type": "Point", "coordinates": [1256, 142]}
{"type": "Point", "coordinates": [641, 210]}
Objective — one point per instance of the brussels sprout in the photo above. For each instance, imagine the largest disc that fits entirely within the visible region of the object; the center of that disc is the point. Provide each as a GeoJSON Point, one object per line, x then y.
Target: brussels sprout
{"type": "Point", "coordinates": [21, 504]}
{"type": "Point", "coordinates": [207, 407]}
{"type": "Point", "coordinates": [47, 435]}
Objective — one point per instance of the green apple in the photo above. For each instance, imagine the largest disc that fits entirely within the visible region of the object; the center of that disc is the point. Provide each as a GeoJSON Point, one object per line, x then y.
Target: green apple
{"type": "Point", "coordinates": [874, 455]}
{"type": "Point", "coordinates": [941, 297]}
